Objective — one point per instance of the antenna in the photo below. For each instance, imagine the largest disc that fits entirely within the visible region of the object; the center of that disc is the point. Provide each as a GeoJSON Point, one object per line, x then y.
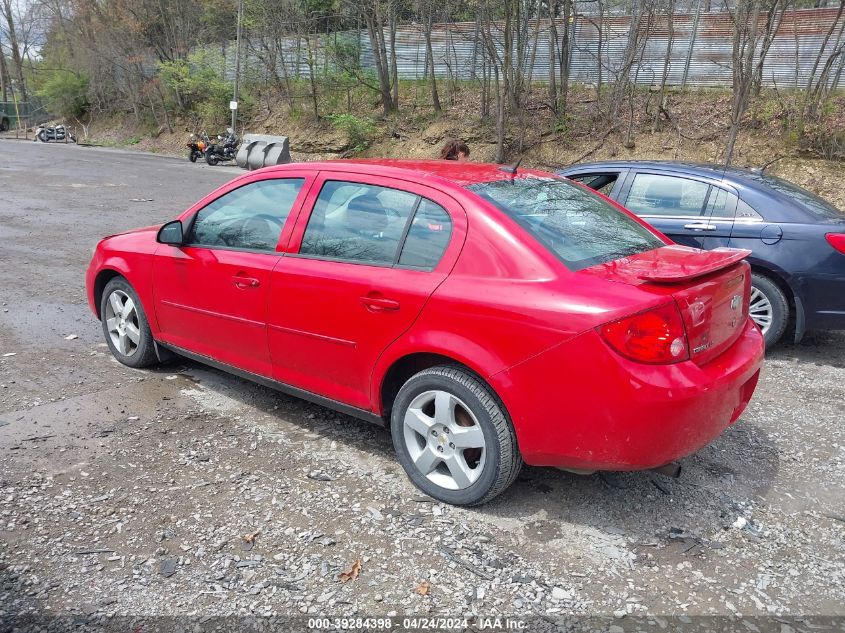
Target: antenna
{"type": "Point", "coordinates": [511, 169]}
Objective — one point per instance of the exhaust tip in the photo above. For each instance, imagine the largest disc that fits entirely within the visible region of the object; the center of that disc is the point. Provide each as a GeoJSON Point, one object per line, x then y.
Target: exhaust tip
{"type": "Point", "coordinates": [672, 469]}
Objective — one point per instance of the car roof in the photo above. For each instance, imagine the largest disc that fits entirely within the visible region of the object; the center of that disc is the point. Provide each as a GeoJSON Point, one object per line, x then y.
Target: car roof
{"type": "Point", "coordinates": [746, 175]}
{"type": "Point", "coordinates": [460, 173]}
{"type": "Point", "coordinates": [751, 185]}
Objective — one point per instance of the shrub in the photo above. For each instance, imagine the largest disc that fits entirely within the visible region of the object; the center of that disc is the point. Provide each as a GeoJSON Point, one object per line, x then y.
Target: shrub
{"type": "Point", "coordinates": [359, 132]}
{"type": "Point", "coordinates": [66, 93]}
{"type": "Point", "coordinates": [198, 86]}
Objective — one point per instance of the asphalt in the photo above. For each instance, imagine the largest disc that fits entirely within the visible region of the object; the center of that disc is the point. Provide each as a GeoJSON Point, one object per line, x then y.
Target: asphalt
{"type": "Point", "coordinates": [184, 458]}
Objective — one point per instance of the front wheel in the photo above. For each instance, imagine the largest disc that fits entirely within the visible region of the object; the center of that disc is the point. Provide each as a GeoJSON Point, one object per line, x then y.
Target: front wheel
{"type": "Point", "coordinates": [453, 437]}
{"type": "Point", "coordinates": [192, 156]}
{"type": "Point", "coordinates": [768, 308]}
{"type": "Point", "coordinates": [125, 325]}
{"type": "Point", "coordinates": [42, 136]}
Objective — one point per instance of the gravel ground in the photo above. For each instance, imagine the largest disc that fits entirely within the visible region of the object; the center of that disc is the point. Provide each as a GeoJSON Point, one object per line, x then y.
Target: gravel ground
{"type": "Point", "coordinates": [184, 491]}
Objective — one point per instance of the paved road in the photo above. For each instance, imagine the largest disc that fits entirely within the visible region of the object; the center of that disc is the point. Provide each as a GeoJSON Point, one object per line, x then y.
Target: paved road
{"type": "Point", "coordinates": [132, 492]}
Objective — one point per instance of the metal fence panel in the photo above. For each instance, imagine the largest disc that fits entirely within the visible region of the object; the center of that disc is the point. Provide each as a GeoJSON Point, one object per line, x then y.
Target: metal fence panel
{"type": "Point", "coordinates": [705, 43]}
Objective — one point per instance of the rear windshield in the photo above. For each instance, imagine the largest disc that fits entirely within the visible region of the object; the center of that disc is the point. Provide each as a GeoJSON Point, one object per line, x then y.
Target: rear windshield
{"type": "Point", "coordinates": [817, 206]}
{"type": "Point", "coordinates": [575, 224]}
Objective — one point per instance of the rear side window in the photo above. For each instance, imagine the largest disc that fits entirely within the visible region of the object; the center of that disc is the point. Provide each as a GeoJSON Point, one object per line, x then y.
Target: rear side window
{"type": "Point", "coordinates": [603, 183]}
{"type": "Point", "coordinates": [721, 203]}
{"type": "Point", "coordinates": [576, 225]}
{"type": "Point", "coordinates": [364, 223]}
{"type": "Point", "coordinates": [744, 210]}
{"type": "Point", "coordinates": [428, 236]}
{"type": "Point", "coordinates": [249, 217]}
{"type": "Point", "coordinates": [655, 194]}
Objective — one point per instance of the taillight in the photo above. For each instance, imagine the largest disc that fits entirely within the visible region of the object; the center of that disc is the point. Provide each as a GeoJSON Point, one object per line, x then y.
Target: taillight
{"type": "Point", "coordinates": [837, 241]}
{"type": "Point", "coordinates": [656, 336]}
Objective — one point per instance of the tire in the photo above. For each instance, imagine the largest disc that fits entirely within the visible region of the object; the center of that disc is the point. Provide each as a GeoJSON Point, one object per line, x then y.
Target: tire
{"type": "Point", "coordinates": [212, 159]}
{"type": "Point", "coordinates": [769, 308]}
{"type": "Point", "coordinates": [192, 156]}
{"type": "Point", "coordinates": [42, 136]}
{"type": "Point", "coordinates": [4, 124]}
{"type": "Point", "coordinates": [137, 354]}
{"type": "Point", "coordinates": [471, 403]}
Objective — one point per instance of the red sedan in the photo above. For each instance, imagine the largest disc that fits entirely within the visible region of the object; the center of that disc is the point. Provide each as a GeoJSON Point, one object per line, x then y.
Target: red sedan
{"type": "Point", "coordinates": [488, 316]}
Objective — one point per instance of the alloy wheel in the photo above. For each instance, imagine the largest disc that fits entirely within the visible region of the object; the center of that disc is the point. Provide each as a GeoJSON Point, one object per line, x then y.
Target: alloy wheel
{"type": "Point", "coordinates": [444, 440]}
{"type": "Point", "coordinates": [122, 323]}
{"type": "Point", "coordinates": [760, 310]}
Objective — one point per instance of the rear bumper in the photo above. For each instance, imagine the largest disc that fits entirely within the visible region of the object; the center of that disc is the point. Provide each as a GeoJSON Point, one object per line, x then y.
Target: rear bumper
{"type": "Point", "coordinates": [582, 406]}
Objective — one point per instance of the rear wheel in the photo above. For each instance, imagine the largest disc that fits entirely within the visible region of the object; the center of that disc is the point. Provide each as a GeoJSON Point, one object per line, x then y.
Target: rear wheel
{"type": "Point", "coordinates": [125, 325]}
{"type": "Point", "coordinates": [4, 124]}
{"type": "Point", "coordinates": [453, 438]}
{"type": "Point", "coordinates": [769, 308]}
{"type": "Point", "coordinates": [211, 158]}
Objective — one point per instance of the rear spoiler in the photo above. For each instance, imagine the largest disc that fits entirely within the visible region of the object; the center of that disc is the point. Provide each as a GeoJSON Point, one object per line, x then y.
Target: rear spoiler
{"type": "Point", "coordinates": [680, 263]}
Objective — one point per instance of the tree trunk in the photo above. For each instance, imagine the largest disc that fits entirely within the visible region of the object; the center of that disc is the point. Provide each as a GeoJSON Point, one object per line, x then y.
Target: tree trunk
{"type": "Point", "coordinates": [564, 56]}
{"type": "Point", "coordinates": [429, 62]}
{"type": "Point", "coordinates": [312, 71]}
{"type": "Point", "coordinates": [375, 31]}
{"type": "Point", "coordinates": [17, 60]}
{"type": "Point", "coordinates": [552, 56]}
{"type": "Point", "coordinates": [670, 26]}
{"type": "Point", "coordinates": [394, 68]}
{"type": "Point", "coordinates": [500, 119]}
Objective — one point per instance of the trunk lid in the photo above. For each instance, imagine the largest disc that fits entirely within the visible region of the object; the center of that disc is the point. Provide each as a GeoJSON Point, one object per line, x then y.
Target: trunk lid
{"type": "Point", "coordinates": [711, 289]}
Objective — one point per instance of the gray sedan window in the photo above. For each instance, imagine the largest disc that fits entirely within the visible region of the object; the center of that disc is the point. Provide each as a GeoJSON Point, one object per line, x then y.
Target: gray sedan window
{"type": "Point", "coordinates": [656, 194]}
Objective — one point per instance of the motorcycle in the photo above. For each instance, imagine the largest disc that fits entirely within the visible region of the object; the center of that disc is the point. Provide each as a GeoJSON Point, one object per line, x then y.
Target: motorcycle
{"type": "Point", "coordinates": [197, 146]}
{"type": "Point", "coordinates": [224, 150]}
{"type": "Point", "coordinates": [60, 133]}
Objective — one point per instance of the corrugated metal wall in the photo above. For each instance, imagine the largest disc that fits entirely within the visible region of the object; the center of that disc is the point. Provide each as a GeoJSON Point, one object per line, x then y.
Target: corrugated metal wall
{"type": "Point", "coordinates": [706, 46]}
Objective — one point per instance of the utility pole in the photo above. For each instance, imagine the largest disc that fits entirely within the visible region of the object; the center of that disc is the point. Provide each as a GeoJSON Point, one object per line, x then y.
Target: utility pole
{"type": "Point", "coordinates": [234, 104]}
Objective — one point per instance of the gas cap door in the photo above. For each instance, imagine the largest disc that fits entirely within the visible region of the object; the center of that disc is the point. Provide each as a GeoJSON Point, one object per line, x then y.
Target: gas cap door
{"type": "Point", "coordinates": [771, 234]}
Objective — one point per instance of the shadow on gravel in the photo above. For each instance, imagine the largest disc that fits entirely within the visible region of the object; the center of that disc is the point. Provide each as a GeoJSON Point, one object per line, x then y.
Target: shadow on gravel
{"type": "Point", "coordinates": [718, 482]}
{"type": "Point", "coordinates": [818, 348]}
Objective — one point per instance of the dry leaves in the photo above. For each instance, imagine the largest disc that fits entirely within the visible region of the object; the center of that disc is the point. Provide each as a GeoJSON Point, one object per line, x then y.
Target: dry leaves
{"type": "Point", "coordinates": [352, 573]}
{"type": "Point", "coordinates": [250, 538]}
{"type": "Point", "coordinates": [424, 588]}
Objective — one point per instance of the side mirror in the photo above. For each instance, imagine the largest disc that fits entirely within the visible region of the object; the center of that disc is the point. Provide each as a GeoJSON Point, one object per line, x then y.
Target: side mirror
{"type": "Point", "coordinates": [171, 233]}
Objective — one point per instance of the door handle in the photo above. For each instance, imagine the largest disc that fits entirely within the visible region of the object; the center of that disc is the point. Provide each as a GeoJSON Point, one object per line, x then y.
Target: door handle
{"type": "Point", "coordinates": [245, 282]}
{"type": "Point", "coordinates": [379, 303]}
{"type": "Point", "coordinates": [700, 226]}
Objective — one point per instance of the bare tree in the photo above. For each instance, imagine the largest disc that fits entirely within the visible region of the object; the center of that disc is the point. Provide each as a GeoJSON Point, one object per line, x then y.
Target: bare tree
{"type": "Point", "coordinates": [14, 17]}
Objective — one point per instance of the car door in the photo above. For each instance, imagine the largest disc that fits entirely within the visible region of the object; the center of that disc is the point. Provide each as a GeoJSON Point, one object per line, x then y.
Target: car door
{"type": "Point", "coordinates": [672, 203]}
{"type": "Point", "coordinates": [719, 212]}
{"type": "Point", "coordinates": [210, 294]}
{"type": "Point", "coordinates": [362, 264]}
{"type": "Point", "coordinates": [608, 182]}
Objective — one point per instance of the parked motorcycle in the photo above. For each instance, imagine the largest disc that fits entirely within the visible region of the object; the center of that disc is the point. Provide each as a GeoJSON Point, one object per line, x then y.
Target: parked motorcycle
{"type": "Point", "coordinates": [224, 149]}
{"type": "Point", "coordinates": [46, 133]}
{"type": "Point", "coordinates": [197, 146]}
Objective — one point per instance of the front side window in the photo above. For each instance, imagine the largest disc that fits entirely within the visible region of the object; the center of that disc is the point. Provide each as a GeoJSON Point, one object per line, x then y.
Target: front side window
{"type": "Point", "coordinates": [576, 225]}
{"type": "Point", "coordinates": [250, 217]}
{"type": "Point", "coordinates": [655, 194]}
{"type": "Point", "coordinates": [358, 222]}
